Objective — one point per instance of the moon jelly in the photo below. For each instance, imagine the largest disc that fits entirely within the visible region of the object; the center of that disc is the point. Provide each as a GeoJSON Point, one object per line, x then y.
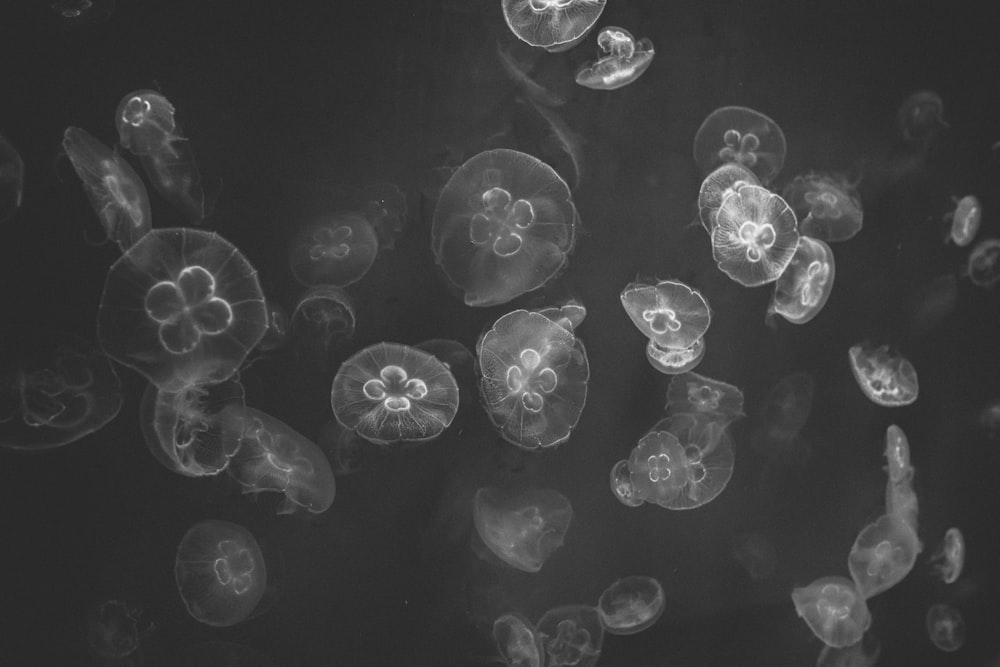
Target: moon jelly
{"type": "Point", "coordinates": [337, 251]}
{"type": "Point", "coordinates": [572, 635]}
{"type": "Point", "coordinates": [534, 377]}
{"type": "Point", "coordinates": [622, 487]}
{"type": "Point", "coordinates": [625, 60]}
{"type": "Point", "coordinates": [11, 179]}
{"type": "Point", "coordinates": [740, 135]}
{"type": "Point", "coordinates": [804, 286]}
{"type": "Point", "coordinates": [554, 25]}
{"type": "Point", "coordinates": [718, 185]}
{"type": "Point", "coordinates": [181, 306]}
{"type": "Point", "coordinates": [884, 375]}
{"type": "Point", "coordinates": [324, 316]}
{"type": "Point", "coordinates": [965, 220]}
{"type": "Point", "coordinates": [984, 263]}
{"type": "Point", "coordinates": [828, 207]}
{"type": "Point", "coordinates": [504, 225]}
{"type": "Point", "coordinates": [883, 554]}
{"type": "Point", "coordinates": [900, 498]}
{"type": "Point", "coordinates": [115, 629]}
{"type": "Point", "coordinates": [833, 610]}
{"type": "Point", "coordinates": [631, 605]}
{"type": "Point", "coordinates": [518, 641]}
{"type": "Point", "coordinates": [669, 313]}
{"type": "Point", "coordinates": [522, 529]}
{"type": "Point", "coordinates": [945, 627]}
{"type": "Point", "coordinates": [921, 116]}
{"type": "Point", "coordinates": [949, 558]}
{"type": "Point", "coordinates": [700, 395]}
{"type": "Point", "coordinates": [670, 361]}
{"type": "Point", "coordinates": [755, 236]}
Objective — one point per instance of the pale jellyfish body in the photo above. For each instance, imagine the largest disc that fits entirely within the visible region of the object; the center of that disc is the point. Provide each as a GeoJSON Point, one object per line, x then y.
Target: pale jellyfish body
{"type": "Point", "coordinates": [571, 635]}
{"type": "Point", "coordinates": [883, 554]}
{"type": "Point", "coordinates": [11, 179]}
{"type": "Point", "coordinates": [631, 605]}
{"type": "Point", "coordinates": [945, 627]}
{"type": "Point", "coordinates": [522, 529]}
{"type": "Point", "coordinates": [673, 361]}
{"type": "Point", "coordinates": [669, 313]}
{"type": "Point", "coordinates": [965, 220]}
{"type": "Point", "coordinates": [885, 376]}
{"type": "Point", "coordinates": [983, 266]}
{"type": "Point", "coordinates": [338, 250]}
{"type": "Point", "coordinates": [834, 610]}
{"type": "Point", "coordinates": [806, 283]}
{"type": "Point", "coordinates": [554, 25]}
{"type": "Point", "coordinates": [828, 207]}
{"type": "Point", "coordinates": [704, 396]}
{"type": "Point", "coordinates": [755, 236]}
{"type": "Point", "coordinates": [517, 641]}
{"type": "Point", "coordinates": [742, 136]}
{"type": "Point", "coordinates": [949, 558]}
{"type": "Point", "coordinates": [621, 485]}
{"type": "Point", "coordinates": [625, 60]}
{"type": "Point", "coordinates": [725, 180]}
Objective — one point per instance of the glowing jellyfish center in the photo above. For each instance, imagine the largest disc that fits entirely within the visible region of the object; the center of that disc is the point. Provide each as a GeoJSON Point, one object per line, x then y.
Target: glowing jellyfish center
{"type": "Point", "coordinates": [331, 243]}
{"type": "Point", "coordinates": [45, 395]}
{"type": "Point", "coordinates": [569, 643]}
{"type": "Point", "coordinates": [531, 380]}
{"type": "Point", "coordinates": [545, 5]}
{"type": "Point", "coordinates": [883, 553]}
{"type": "Point", "coordinates": [757, 238]}
{"type": "Point", "coordinates": [616, 43]}
{"type": "Point", "coordinates": [740, 148]}
{"type": "Point", "coordinates": [395, 389]}
{"type": "Point", "coordinates": [812, 286]}
{"type": "Point", "coordinates": [187, 309]}
{"type": "Point", "coordinates": [135, 111]}
{"type": "Point", "coordinates": [825, 204]}
{"type": "Point", "coordinates": [502, 222]}
{"type": "Point", "coordinates": [704, 397]}
{"type": "Point", "coordinates": [659, 467]}
{"type": "Point", "coordinates": [661, 320]}
{"type": "Point", "coordinates": [239, 582]}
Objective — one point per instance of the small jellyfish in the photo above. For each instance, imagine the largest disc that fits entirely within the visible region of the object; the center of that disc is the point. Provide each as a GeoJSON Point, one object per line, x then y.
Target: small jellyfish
{"type": "Point", "coordinates": [336, 251]}
{"type": "Point", "coordinates": [983, 266]}
{"type": "Point", "coordinates": [834, 610]}
{"type": "Point", "coordinates": [115, 629]}
{"type": "Point", "coordinates": [147, 128]}
{"type": "Point", "coordinates": [554, 25]}
{"type": "Point", "coordinates": [884, 375]}
{"type": "Point", "coordinates": [755, 236]}
{"type": "Point", "coordinates": [518, 641]}
{"type": "Point", "coordinates": [621, 485]}
{"type": "Point", "coordinates": [900, 498]}
{"type": "Point", "coordinates": [740, 135]}
{"type": "Point", "coordinates": [697, 394]}
{"type": "Point", "coordinates": [964, 220]}
{"type": "Point", "coordinates": [828, 206]}
{"type": "Point", "coordinates": [718, 185]}
{"type": "Point", "coordinates": [949, 558]}
{"type": "Point", "coordinates": [803, 288]}
{"type": "Point", "coordinates": [11, 179]}
{"type": "Point", "coordinates": [673, 361]}
{"type": "Point", "coordinates": [921, 116]}
{"type": "Point", "coordinates": [534, 376]}
{"type": "Point", "coordinates": [323, 318]}
{"type": "Point", "coordinates": [669, 313]}
{"type": "Point", "coordinates": [624, 61]}
{"type": "Point", "coordinates": [631, 604]}
{"type": "Point", "coordinates": [393, 393]}
{"type": "Point", "coordinates": [571, 635]}
{"type": "Point", "coordinates": [385, 208]}
{"type": "Point", "coordinates": [504, 225]}
{"type": "Point", "coordinates": [181, 306]}
{"type": "Point", "coordinates": [883, 554]}
{"type": "Point", "coordinates": [522, 529]}
{"type": "Point", "coordinates": [220, 572]}
{"type": "Point", "coordinates": [945, 627]}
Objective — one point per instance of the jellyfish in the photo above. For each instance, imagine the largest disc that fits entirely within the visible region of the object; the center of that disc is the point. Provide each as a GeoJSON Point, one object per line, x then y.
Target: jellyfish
{"type": "Point", "coordinates": [921, 116]}
{"type": "Point", "coordinates": [522, 529]}
{"type": "Point", "coordinates": [740, 135]}
{"type": "Point", "coordinates": [11, 179]}
{"type": "Point", "coordinates": [624, 61]}
{"type": "Point", "coordinates": [755, 236]}
{"type": "Point", "coordinates": [324, 317]}
{"type": "Point", "coordinates": [385, 209]}
{"type": "Point", "coordinates": [220, 572]}
{"type": "Point", "coordinates": [834, 610]}
{"type": "Point", "coordinates": [669, 313]}
{"type": "Point", "coordinates": [554, 25]}
{"type": "Point", "coordinates": [569, 316]}
{"type": "Point", "coordinates": [336, 251]}
{"type": "Point", "coordinates": [147, 128]}
{"type": "Point", "coordinates": [571, 635]}
{"type": "Point", "coordinates": [945, 627]}
{"type": "Point", "coordinates": [783, 414]}
{"type": "Point", "coordinates": [701, 395]}
{"type": "Point", "coordinates": [983, 266]}
{"type": "Point", "coordinates": [804, 286]}
{"type": "Point", "coordinates": [272, 456]}
{"type": "Point", "coordinates": [181, 306]}
{"type": "Point", "coordinates": [518, 641]}
{"type": "Point", "coordinates": [345, 449]}
{"type": "Point", "coordinates": [115, 191]}
{"type": "Point", "coordinates": [674, 361]}
{"type": "Point", "coordinates": [393, 393]}
{"type": "Point", "coordinates": [725, 180]}
{"type": "Point", "coordinates": [534, 377]}
{"type": "Point", "coordinates": [116, 628]}
{"type": "Point", "coordinates": [884, 375]}
{"type": "Point", "coordinates": [964, 220]}
{"type": "Point", "coordinates": [504, 225]}
{"type": "Point", "coordinates": [630, 605]}
{"type": "Point", "coordinates": [622, 487]}
{"type": "Point", "coordinates": [900, 498]}
{"type": "Point", "coordinates": [883, 554]}
{"type": "Point", "coordinates": [949, 558]}
{"type": "Point", "coordinates": [827, 206]}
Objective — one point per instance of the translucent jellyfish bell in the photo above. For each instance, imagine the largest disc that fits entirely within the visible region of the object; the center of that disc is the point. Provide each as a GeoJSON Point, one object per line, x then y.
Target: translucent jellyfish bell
{"type": "Point", "coordinates": [391, 393]}
{"type": "Point", "coordinates": [518, 641]}
{"type": "Point", "coordinates": [804, 286]}
{"type": "Point", "coordinates": [522, 529]}
{"type": "Point", "coordinates": [335, 251]}
{"type": "Point", "coordinates": [622, 487]}
{"type": "Point", "coordinates": [983, 267]}
{"type": "Point", "coordinates": [534, 377]}
{"type": "Point", "coordinates": [964, 220]}
{"type": "Point", "coordinates": [11, 179]}
{"type": "Point", "coordinates": [625, 60]}
{"type": "Point", "coordinates": [945, 627]}
{"type": "Point", "coordinates": [323, 317]}
{"type": "Point", "coordinates": [755, 236]}
{"type": "Point", "coordinates": [504, 225]}
{"type": "Point", "coordinates": [885, 376]}
{"type": "Point", "coordinates": [827, 206]}
{"type": "Point", "coordinates": [718, 185]}
{"type": "Point", "coordinates": [673, 361]}
{"type": "Point", "coordinates": [834, 610]}
{"type": "Point", "coordinates": [921, 116]}
{"type": "Point", "coordinates": [900, 498]}
{"type": "Point", "coordinates": [571, 635]}
{"type": "Point", "coordinates": [554, 25]}
{"type": "Point", "coordinates": [883, 554]}
{"type": "Point", "coordinates": [701, 395]}
{"type": "Point", "coordinates": [740, 135]}
{"type": "Point", "coordinates": [949, 558]}
{"type": "Point", "coordinates": [115, 629]}
{"type": "Point", "coordinates": [631, 604]}
{"type": "Point", "coordinates": [669, 313]}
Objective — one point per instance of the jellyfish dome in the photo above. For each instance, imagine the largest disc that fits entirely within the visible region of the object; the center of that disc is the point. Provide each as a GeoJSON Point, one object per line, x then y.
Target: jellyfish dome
{"type": "Point", "coordinates": [884, 375]}
{"type": "Point", "coordinates": [572, 635]}
{"type": "Point", "coordinates": [718, 185]}
{"type": "Point", "coordinates": [336, 251]}
{"type": "Point", "coordinates": [755, 236]}
{"type": "Point", "coordinates": [624, 61]}
{"type": "Point", "coordinates": [834, 610]}
{"type": "Point", "coordinates": [631, 604]}
{"type": "Point", "coordinates": [692, 393]}
{"type": "Point", "coordinates": [802, 289]}
{"type": "Point", "coordinates": [391, 393]}
{"type": "Point", "coordinates": [554, 25]}
{"type": "Point", "coordinates": [669, 313]}
{"type": "Point", "coordinates": [740, 135]}
{"type": "Point", "coordinates": [181, 306]}
{"type": "Point", "coordinates": [828, 207]}
{"type": "Point", "coordinates": [522, 528]}
{"type": "Point", "coordinates": [965, 220]}
{"type": "Point", "coordinates": [504, 225]}
{"type": "Point", "coordinates": [674, 361]}
{"type": "Point", "coordinates": [534, 377]}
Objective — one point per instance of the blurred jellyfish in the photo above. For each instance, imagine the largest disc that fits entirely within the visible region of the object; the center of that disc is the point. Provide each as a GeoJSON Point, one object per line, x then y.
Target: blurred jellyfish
{"type": "Point", "coordinates": [336, 251]}
{"type": "Point", "coordinates": [323, 318]}
{"type": "Point", "coordinates": [756, 554]}
{"type": "Point", "coordinates": [964, 220]}
{"type": "Point", "coordinates": [883, 554]}
{"type": "Point", "coordinates": [989, 418]}
{"type": "Point", "coordinates": [921, 116]}
{"type": "Point", "coordinates": [115, 629]}
{"type": "Point", "coordinates": [828, 207]}
{"type": "Point", "coordinates": [725, 180]}
{"type": "Point", "coordinates": [571, 635]}
{"type": "Point", "coordinates": [76, 14]}
{"type": "Point", "coordinates": [624, 61]}
{"type": "Point", "coordinates": [754, 237]}
{"type": "Point", "coordinates": [220, 572]}
{"type": "Point", "coordinates": [833, 610]}
{"type": "Point", "coordinates": [504, 225]}
{"type": "Point", "coordinates": [677, 360]}
{"type": "Point", "coordinates": [385, 209]}
{"type": "Point", "coordinates": [700, 395]}
{"type": "Point", "coordinates": [740, 135]}
{"type": "Point", "coordinates": [669, 313]}
{"type": "Point", "coordinates": [115, 191]}
{"type": "Point", "coordinates": [522, 529]}
{"type": "Point", "coordinates": [864, 653]}
{"type": "Point", "coordinates": [804, 286]}
{"type": "Point", "coordinates": [534, 377]}
{"type": "Point", "coordinates": [393, 393]}
{"type": "Point", "coordinates": [783, 414]}
{"type": "Point", "coordinates": [621, 485]}
{"type": "Point", "coordinates": [945, 627]}
{"type": "Point", "coordinates": [554, 25]}
{"type": "Point", "coordinates": [345, 449]}
{"type": "Point", "coordinates": [983, 267]}
{"type": "Point", "coordinates": [884, 375]}
{"type": "Point", "coordinates": [181, 307]}
{"type": "Point", "coordinates": [147, 128]}
{"type": "Point", "coordinates": [518, 641]}
{"type": "Point", "coordinates": [11, 179]}
{"type": "Point", "coordinates": [278, 327]}
{"type": "Point", "coordinates": [631, 604]}
{"type": "Point", "coordinates": [949, 558]}
{"type": "Point", "coordinates": [900, 498]}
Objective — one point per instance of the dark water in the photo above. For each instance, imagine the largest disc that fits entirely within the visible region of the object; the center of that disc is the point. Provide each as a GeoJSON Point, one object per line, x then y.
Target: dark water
{"type": "Point", "coordinates": [282, 101]}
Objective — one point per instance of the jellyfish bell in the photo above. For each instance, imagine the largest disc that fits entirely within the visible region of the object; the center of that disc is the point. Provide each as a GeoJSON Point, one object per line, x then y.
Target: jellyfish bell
{"type": "Point", "coordinates": [692, 393]}
{"type": "Point", "coordinates": [983, 266]}
{"type": "Point", "coordinates": [323, 318]}
{"type": "Point", "coordinates": [755, 236]}
{"type": "Point", "coordinates": [883, 554]}
{"type": "Point", "coordinates": [522, 528]}
{"type": "Point", "coordinates": [674, 361]}
{"type": "Point", "coordinates": [884, 375]}
{"type": "Point", "coordinates": [921, 116]}
{"type": "Point", "coordinates": [743, 136]}
{"type": "Point", "coordinates": [725, 180]}
{"type": "Point", "coordinates": [631, 604]}
{"type": "Point", "coordinates": [571, 635]}
{"type": "Point", "coordinates": [834, 610]}
{"type": "Point", "coordinates": [804, 286]}
{"type": "Point", "coordinates": [625, 59]}
{"type": "Point", "coordinates": [949, 558]}
{"type": "Point", "coordinates": [964, 220]}
{"type": "Point", "coordinates": [569, 316]}
{"type": "Point", "coordinates": [672, 315]}
{"type": "Point", "coordinates": [11, 179]}
{"type": "Point", "coordinates": [336, 250]}
{"type": "Point", "coordinates": [945, 627]}
{"type": "Point", "coordinates": [517, 641]}
{"type": "Point", "coordinates": [553, 25]}
{"type": "Point", "coordinates": [621, 485]}
{"type": "Point", "coordinates": [828, 206]}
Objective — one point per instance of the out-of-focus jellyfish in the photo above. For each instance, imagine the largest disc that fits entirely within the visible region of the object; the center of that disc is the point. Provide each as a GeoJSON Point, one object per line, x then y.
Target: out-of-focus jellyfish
{"type": "Point", "coordinates": [272, 456]}
{"type": "Point", "coordinates": [504, 225]}
{"type": "Point", "coordinates": [828, 207]}
{"type": "Point", "coordinates": [394, 393]}
{"type": "Point", "coordinates": [323, 317]}
{"type": "Point", "coordinates": [964, 220]}
{"type": "Point", "coordinates": [115, 629]}
{"type": "Point", "coordinates": [921, 116]}
{"type": "Point", "coordinates": [385, 209]}
{"type": "Point", "coordinates": [945, 627]}
{"type": "Point", "coordinates": [346, 450]}
{"type": "Point", "coordinates": [115, 191]}
{"type": "Point", "coordinates": [147, 128]}
{"type": "Point", "coordinates": [569, 316]}
{"type": "Point", "coordinates": [337, 251]}
{"type": "Point", "coordinates": [700, 395]}
{"type": "Point", "coordinates": [884, 375]}
{"type": "Point", "coordinates": [534, 377]}
{"type": "Point", "coordinates": [621, 485]}
{"type": "Point", "coordinates": [834, 610]}
{"type": "Point", "coordinates": [185, 430]}
{"type": "Point", "coordinates": [983, 266]}
{"type": "Point", "coordinates": [522, 529]}
{"type": "Point", "coordinates": [518, 641]}
{"type": "Point", "coordinates": [669, 313]}
{"type": "Point", "coordinates": [900, 498]}
{"type": "Point", "coordinates": [740, 135]}
{"type": "Point", "coordinates": [756, 554]}
{"type": "Point", "coordinates": [949, 558]}
{"type": "Point", "coordinates": [865, 653]}
{"type": "Point", "coordinates": [883, 554]}
{"type": "Point", "coordinates": [571, 635]}
{"type": "Point", "coordinates": [220, 572]}
{"type": "Point", "coordinates": [755, 236]}
{"type": "Point", "coordinates": [76, 14]}
{"type": "Point", "coordinates": [181, 306]}
{"type": "Point", "coordinates": [554, 25]}
{"type": "Point", "coordinates": [631, 604]}
{"type": "Point", "coordinates": [278, 326]}
{"type": "Point", "coordinates": [989, 418]}
{"type": "Point", "coordinates": [675, 361]}
{"type": "Point", "coordinates": [624, 61]}
{"type": "Point", "coordinates": [803, 288]}
{"type": "Point", "coordinates": [718, 185]}
{"type": "Point", "coordinates": [783, 414]}
{"type": "Point", "coordinates": [58, 398]}
{"type": "Point", "coordinates": [11, 179]}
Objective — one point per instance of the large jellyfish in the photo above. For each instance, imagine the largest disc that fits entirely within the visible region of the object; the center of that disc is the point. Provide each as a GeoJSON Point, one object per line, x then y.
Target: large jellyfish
{"type": "Point", "coordinates": [182, 306]}
{"type": "Point", "coordinates": [743, 136]}
{"type": "Point", "coordinates": [718, 185]}
{"type": "Point", "coordinates": [700, 395]}
{"type": "Point", "coordinates": [518, 641]}
{"type": "Point", "coordinates": [631, 604]}
{"type": "Point", "coordinates": [804, 286]}
{"type": "Point", "coordinates": [834, 610]}
{"type": "Point", "coordinates": [336, 251]}
{"type": "Point", "coordinates": [504, 225]}
{"type": "Point", "coordinates": [755, 236]}
{"type": "Point", "coordinates": [554, 25]}
{"type": "Point", "coordinates": [669, 313]}
{"type": "Point", "coordinates": [522, 529]}
{"type": "Point", "coordinates": [11, 179]}
{"type": "Point", "coordinates": [534, 379]}
{"type": "Point", "coordinates": [827, 206]}
{"type": "Point", "coordinates": [571, 635]}
{"type": "Point", "coordinates": [949, 558]}
{"type": "Point", "coordinates": [884, 375]}
{"type": "Point", "coordinates": [624, 61]}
